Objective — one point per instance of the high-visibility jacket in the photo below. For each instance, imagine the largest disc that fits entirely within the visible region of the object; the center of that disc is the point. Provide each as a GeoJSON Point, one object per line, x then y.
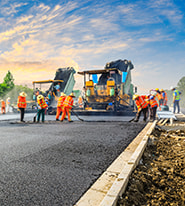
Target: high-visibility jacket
{"type": "Point", "coordinates": [60, 101]}
{"type": "Point", "coordinates": [21, 103]}
{"type": "Point", "coordinates": [159, 96]}
{"type": "Point", "coordinates": [164, 96]}
{"type": "Point", "coordinates": [68, 102]}
{"type": "Point", "coordinates": [3, 104]}
{"type": "Point", "coordinates": [153, 103]}
{"type": "Point", "coordinates": [8, 101]}
{"type": "Point", "coordinates": [42, 103]}
{"type": "Point", "coordinates": [141, 103]}
{"type": "Point", "coordinates": [176, 94]}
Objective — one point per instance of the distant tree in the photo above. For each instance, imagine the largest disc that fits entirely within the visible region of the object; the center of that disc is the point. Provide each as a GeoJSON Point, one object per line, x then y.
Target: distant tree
{"type": "Point", "coordinates": [181, 84]}
{"type": "Point", "coordinates": [7, 85]}
{"type": "Point", "coordinates": [9, 80]}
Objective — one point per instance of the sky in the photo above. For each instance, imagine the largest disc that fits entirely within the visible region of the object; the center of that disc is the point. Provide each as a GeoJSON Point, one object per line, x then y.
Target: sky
{"type": "Point", "coordinates": [37, 37]}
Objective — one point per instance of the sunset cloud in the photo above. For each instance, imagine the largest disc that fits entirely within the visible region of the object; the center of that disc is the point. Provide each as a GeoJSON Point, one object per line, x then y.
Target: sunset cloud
{"type": "Point", "coordinates": [36, 38]}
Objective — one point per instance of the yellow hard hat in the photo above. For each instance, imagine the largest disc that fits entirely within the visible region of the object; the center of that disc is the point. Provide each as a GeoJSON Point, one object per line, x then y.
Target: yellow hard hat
{"type": "Point", "coordinates": [135, 96]}
{"type": "Point", "coordinates": [72, 94]}
{"type": "Point", "coordinates": [40, 97]}
{"type": "Point", "coordinates": [62, 94]}
{"type": "Point", "coordinates": [162, 90]}
{"type": "Point", "coordinates": [157, 89]}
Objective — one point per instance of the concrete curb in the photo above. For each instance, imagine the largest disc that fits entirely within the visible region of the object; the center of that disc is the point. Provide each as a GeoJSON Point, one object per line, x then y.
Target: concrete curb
{"type": "Point", "coordinates": [112, 183]}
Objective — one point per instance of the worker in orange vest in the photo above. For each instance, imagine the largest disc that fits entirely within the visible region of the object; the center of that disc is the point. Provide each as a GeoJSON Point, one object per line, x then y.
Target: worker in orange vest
{"type": "Point", "coordinates": [21, 104]}
{"type": "Point", "coordinates": [164, 97]}
{"type": "Point", "coordinates": [41, 107]}
{"type": "Point", "coordinates": [142, 106]}
{"type": "Point", "coordinates": [8, 104]}
{"type": "Point", "coordinates": [3, 106]}
{"type": "Point", "coordinates": [153, 107]}
{"type": "Point", "coordinates": [60, 107]}
{"type": "Point", "coordinates": [68, 104]}
{"type": "Point", "coordinates": [80, 101]}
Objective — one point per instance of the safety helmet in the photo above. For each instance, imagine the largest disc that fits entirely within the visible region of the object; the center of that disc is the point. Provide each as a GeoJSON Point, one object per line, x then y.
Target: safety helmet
{"type": "Point", "coordinates": [39, 97]}
{"type": "Point", "coordinates": [23, 94]}
{"type": "Point", "coordinates": [157, 89]}
{"type": "Point", "coordinates": [172, 87]}
{"type": "Point", "coordinates": [152, 97]}
{"type": "Point", "coordinates": [62, 94]}
{"type": "Point", "coordinates": [135, 96]}
{"type": "Point", "coordinates": [72, 94]}
{"type": "Point", "coordinates": [162, 90]}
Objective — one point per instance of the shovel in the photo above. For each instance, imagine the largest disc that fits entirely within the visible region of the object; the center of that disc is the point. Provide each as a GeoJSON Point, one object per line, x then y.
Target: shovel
{"type": "Point", "coordinates": [34, 118]}
{"type": "Point", "coordinates": [77, 115]}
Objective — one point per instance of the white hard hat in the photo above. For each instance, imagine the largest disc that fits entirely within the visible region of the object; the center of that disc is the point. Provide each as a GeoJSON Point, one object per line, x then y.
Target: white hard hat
{"type": "Point", "coordinates": [172, 87]}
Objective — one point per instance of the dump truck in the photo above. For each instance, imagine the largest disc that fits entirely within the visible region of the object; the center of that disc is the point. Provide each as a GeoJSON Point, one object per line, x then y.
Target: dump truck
{"type": "Point", "coordinates": [109, 89]}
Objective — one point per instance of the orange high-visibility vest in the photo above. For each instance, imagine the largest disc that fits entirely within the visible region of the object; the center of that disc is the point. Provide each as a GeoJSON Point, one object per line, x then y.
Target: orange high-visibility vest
{"type": "Point", "coordinates": [3, 104]}
{"type": "Point", "coordinates": [141, 103]}
{"type": "Point", "coordinates": [42, 103]}
{"type": "Point", "coordinates": [21, 102]}
{"type": "Point", "coordinates": [61, 101]}
{"type": "Point", "coordinates": [68, 102]}
{"type": "Point", "coordinates": [165, 96]}
{"type": "Point", "coordinates": [159, 96]}
{"type": "Point", "coordinates": [153, 103]}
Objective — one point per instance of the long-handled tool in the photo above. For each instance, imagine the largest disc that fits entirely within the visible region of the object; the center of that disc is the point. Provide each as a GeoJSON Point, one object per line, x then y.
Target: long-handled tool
{"type": "Point", "coordinates": [132, 120]}
{"type": "Point", "coordinates": [34, 118]}
{"type": "Point", "coordinates": [77, 115]}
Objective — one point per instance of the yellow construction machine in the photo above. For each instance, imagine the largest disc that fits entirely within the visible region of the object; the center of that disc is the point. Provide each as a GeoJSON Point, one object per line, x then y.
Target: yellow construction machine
{"type": "Point", "coordinates": [109, 88]}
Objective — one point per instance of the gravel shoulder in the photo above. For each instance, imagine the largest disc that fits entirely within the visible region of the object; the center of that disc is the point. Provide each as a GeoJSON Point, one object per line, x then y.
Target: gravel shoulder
{"type": "Point", "coordinates": [159, 179]}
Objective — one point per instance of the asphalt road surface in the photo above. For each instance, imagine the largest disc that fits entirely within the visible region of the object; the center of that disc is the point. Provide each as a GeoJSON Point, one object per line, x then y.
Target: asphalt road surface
{"type": "Point", "coordinates": [54, 163]}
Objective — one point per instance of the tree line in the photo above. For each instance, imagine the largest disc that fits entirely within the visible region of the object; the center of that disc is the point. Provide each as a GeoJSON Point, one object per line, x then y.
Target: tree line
{"type": "Point", "coordinates": [181, 87]}
{"type": "Point", "coordinates": [9, 89]}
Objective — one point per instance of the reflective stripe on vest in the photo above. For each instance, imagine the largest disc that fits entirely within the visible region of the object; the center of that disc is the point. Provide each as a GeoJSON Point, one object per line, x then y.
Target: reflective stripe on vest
{"type": "Point", "coordinates": [21, 102]}
{"type": "Point", "coordinates": [42, 103]}
{"type": "Point", "coordinates": [60, 101]}
{"type": "Point", "coordinates": [159, 96]}
{"type": "Point", "coordinates": [68, 102]}
{"type": "Point", "coordinates": [177, 97]}
{"type": "Point", "coordinates": [153, 103]}
{"type": "Point", "coordinates": [141, 103]}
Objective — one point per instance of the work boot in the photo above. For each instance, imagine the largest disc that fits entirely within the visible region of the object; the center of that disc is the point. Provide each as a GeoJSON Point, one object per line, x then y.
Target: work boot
{"type": "Point", "coordinates": [70, 121]}
{"type": "Point", "coordinates": [136, 120]}
{"type": "Point", "coordinates": [61, 120]}
{"type": "Point", "coordinates": [57, 119]}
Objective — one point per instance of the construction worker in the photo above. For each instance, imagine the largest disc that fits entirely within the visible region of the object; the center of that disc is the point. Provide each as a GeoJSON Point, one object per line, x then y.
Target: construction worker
{"type": "Point", "coordinates": [60, 107]}
{"type": "Point", "coordinates": [3, 106]}
{"type": "Point", "coordinates": [142, 106]}
{"type": "Point", "coordinates": [159, 96]}
{"type": "Point", "coordinates": [41, 107]}
{"type": "Point", "coordinates": [68, 104]}
{"type": "Point", "coordinates": [153, 107]}
{"type": "Point", "coordinates": [80, 102]}
{"type": "Point", "coordinates": [164, 97]}
{"type": "Point", "coordinates": [8, 104]}
{"type": "Point", "coordinates": [176, 99]}
{"type": "Point", "coordinates": [21, 104]}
